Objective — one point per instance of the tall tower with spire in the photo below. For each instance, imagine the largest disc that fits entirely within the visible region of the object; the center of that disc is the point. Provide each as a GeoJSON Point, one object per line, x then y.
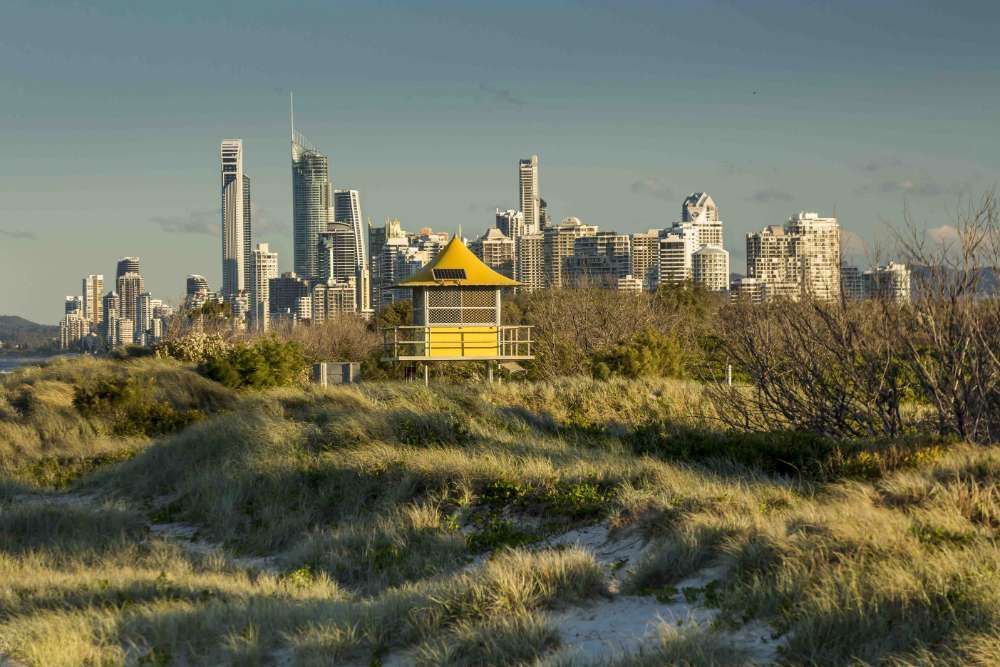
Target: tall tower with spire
{"type": "Point", "coordinates": [311, 201]}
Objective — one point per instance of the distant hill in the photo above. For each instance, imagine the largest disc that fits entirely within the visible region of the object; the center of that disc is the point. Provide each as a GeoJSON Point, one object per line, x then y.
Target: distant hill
{"type": "Point", "coordinates": [17, 332]}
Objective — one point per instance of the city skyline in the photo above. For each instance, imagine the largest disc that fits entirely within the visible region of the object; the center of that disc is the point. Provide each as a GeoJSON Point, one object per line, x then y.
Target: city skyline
{"type": "Point", "coordinates": [774, 131]}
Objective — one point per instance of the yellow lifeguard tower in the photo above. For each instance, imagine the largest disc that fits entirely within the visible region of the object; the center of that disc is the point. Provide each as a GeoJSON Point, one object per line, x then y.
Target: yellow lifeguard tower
{"type": "Point", "coordinates": [456, 314]}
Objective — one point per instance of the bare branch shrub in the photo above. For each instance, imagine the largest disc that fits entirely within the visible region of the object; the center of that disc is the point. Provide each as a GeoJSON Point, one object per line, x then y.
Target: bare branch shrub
{"type": "Point", "coordinates": [952, 330]}
{"type": "Point", "coordinates": [830, 369]}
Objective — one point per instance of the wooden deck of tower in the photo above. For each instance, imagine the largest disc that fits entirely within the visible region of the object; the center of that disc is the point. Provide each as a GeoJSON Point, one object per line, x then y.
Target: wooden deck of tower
{"type": "Point", "coordinates": [456, 313]}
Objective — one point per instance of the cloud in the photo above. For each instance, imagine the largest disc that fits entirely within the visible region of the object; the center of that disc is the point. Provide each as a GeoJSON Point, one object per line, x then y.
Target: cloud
{"type": "Point", "coordinates": [502, 95]}
{"type": "Point", "coordinates": [193, 222]}
{"type": "Point", "coordinates": [943, 234]}
{"type": "Point", "coordinates": [880, 164]}
{"type": "Point", "coordinates": [768, 195]}
{"type": "Point", "coordinates": [651, 186]}
{"type": "Point", "coordinates": [265, 223]}
{"type": "Point", "coordinates": [19, 234]}
{"type": "Point", "coordinates": [920, 186]}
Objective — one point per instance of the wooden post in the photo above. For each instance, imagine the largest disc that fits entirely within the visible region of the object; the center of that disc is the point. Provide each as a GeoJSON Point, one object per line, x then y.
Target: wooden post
{"type": "Point", "coordinates": [427, 375]}
{"type": "Point", "coordinates": [489, 372]}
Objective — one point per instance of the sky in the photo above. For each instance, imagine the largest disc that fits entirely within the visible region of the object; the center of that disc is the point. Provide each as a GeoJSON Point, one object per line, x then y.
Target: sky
{"type": "Point", "coordinates": [111, 115]}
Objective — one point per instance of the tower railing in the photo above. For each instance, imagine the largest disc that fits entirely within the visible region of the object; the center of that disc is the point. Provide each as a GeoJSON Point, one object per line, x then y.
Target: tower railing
{"type": "Point", "coordinates": [455, 343]}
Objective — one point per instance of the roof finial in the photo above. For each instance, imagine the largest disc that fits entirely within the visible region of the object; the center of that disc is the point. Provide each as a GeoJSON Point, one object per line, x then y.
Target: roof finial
{"type": "Point", "coordinates": [291, 112]}
{"type": "Point", "coordinates": [460, 232]}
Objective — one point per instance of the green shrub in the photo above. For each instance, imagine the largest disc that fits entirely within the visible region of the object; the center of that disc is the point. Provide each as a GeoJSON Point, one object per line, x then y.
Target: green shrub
{"type": "Point", "coordinates": [128, 405]}
{"type": "Point", "coordinates": [267, 362]}
{"type": "Point", "coordinates": [651, 353]}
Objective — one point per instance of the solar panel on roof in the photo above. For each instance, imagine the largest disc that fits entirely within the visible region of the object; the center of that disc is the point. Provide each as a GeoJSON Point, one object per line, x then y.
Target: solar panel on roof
{"type": "Point", "coordinates": [448, 274]}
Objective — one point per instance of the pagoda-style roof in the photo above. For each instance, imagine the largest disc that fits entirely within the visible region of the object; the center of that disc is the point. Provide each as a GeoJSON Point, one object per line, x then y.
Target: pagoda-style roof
{"type": "Point", "coordinates": [456, 265]}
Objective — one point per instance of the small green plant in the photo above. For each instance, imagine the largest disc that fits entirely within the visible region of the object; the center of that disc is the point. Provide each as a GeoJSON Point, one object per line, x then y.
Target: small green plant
{"type": "Point", "coordinates": [497, 533]}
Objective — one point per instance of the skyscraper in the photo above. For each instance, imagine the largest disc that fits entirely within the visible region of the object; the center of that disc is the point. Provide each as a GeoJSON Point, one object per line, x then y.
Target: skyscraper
{"type": "Point", "coordinates": [197, 291]}
{"type": "Point", "coordinates": [127, 265]}
{"type": "Point", "coordinates": [310, 203]}
{"type": "Point", "coordinates": [802, 259]}
{"type": "Point", "coordinates": [130, 286]}
{"type": "Point", "coordinates": [236, 222]}
{"type": "Point", "coordinates": [530, 201]}
{"type": "Point", "coordinates": [93, 289]}
{"type": "Point", "coordinates": [264, 268]}
{"type": "Point", "coordinates": [347, 211]}
{"type": "Point", "coordinates": [699, 209]}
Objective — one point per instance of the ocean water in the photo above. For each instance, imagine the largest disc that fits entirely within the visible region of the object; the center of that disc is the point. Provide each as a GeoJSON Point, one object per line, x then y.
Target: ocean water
{"type": "Point", "coordinates": [7, 364]}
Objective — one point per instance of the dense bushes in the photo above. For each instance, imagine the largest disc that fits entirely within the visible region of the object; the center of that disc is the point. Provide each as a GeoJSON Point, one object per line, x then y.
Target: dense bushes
{"type": "Point", "coordinates": [266, 362]}
{"type": "Point", "coordinates": [130, 408]}
{"type": "Point", "coordinates": [651, 353]}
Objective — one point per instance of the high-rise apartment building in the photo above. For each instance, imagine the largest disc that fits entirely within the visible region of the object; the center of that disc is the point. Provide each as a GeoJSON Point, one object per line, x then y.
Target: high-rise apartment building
{"type": "Point", "coordinates": [529, 267]}
{"type": "Point", "coordinates": [598, 260]}
{"type": "Point", "coordinates": [511, 223]}
{"type": "Point", "coordinates": [196, 292]}
{"type": "Point", "coordinates": [800, 260]}
{"type": "Point", "coordinates": [236, 222]}
{"type": "Point", "coordinates": [72, 329]}
{"type": "Point", "coordinates": [644, 258]}
{"type": "Point", "coordinates": [73, 306]}
{"type": "Point", "coordinates": [111, 313]}
{"type": "Point", "coordinates": [699, 209]}
{"type": "Point", "coordinates": [93, 290]}
{"type": "Point", "coordinates": [891, 282]}
{"type": "Point", "coordinates": [332, 299]}
{"type": "Point", "coordinates": [710, 268]}
{"type": "Point", "coordinates": [851, 286]}
{"type": "Point", "coordinates": [677, 246]}
{"type": "Point", "coordinates": [127, 265]}
{"type": "Point", "coordinates": [819, 253]}
{"type": "Point", "coordinates": [496, 250]}
{"type": "Point", "coordinates": [560, 243]}
{"type": "Point", "coordinates": [129, 287]}
{"type": "Point", "coordinates": [289, 294]}
{"type": "Point", "coordinates": [311, 203]}
{"type": "Point", "coordinates": [264, 268]}
{"type": "Point", "coordinates": [347, 211]}
{"type": "Point", "coordinates": [530, 200]}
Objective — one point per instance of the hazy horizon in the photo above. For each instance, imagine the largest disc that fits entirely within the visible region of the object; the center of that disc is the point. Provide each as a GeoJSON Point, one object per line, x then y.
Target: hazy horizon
{"type": "Point", "coordinates": [113, 115]}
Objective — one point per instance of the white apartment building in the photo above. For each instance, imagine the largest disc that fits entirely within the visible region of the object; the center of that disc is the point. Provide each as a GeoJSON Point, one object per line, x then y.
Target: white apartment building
{"type": "Point", "coordinates": [73, 328]}
{"type": "Point", "coordinates": [264, 268]}
{"type": "Point", "coordinates": [891, 282]}
{"type": "Point", "coordinates": [511, 223]}
{"type": "Point", "coordinates": [235, 218]}
{"type": "Point", "coordinates": [773, 260]}
{"type": "Point", "coordinates": [700, 210]}
{"type": "Point", "coordinates": [819, 254]}
{"type": "Point", "coordinates": [675, 251]}
{"type": "Point", "coordinates": [529, 269]}
{"type": "Point", "coordinates": [560, 243]}
{"type": "Point", "coordinates": [93, 290]}
{"type": "Point", "coordinates": [530, 200]}
{"type": "Point", "coordinates": [644, 258]}
{"type": "Point", "coordinates": [710, 268]}
{"type": "Point", "coordinates": [496, 250]}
